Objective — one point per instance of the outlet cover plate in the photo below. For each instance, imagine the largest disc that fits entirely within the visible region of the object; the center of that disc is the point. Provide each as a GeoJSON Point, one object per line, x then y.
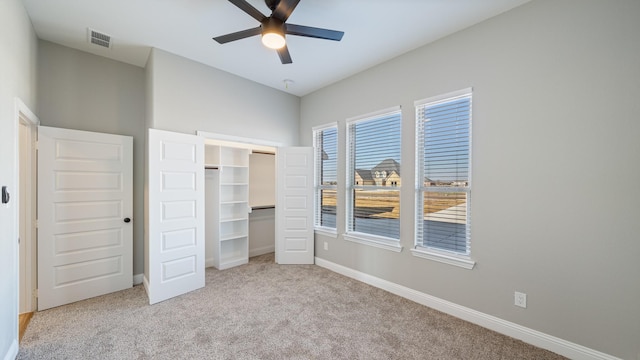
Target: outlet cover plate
{"type": "Point", "coordinates": [520, 299]}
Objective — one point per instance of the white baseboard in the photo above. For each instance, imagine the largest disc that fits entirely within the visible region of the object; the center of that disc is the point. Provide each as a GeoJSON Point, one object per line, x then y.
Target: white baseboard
{"type": "Point", "coordinates": [533, 337]}
{"type": "Point", "coordinates": [137, 279]}
{"type": "Point", "coordinates": [262, 250]}
{"type": "Point", "coordinates": [12, 352]}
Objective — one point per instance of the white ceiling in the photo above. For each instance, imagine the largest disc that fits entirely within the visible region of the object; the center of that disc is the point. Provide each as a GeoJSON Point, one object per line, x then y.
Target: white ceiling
{"type": "Point", "coordinates": [375, 31]}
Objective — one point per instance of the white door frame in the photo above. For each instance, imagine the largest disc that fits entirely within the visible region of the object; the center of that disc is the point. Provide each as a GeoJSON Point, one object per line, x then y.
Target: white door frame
{"type": "Point", "coordinates": [253, 144]}
{"type": "Point", "coordinates": [25, 117]}
{"type": "Point", "coordinates": [239, 141]}
{"type": "Point", "coordinates": [245, 143]}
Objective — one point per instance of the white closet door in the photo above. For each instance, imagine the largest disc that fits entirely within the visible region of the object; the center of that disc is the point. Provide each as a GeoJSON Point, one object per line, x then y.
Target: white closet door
{"type": "Point", "coordinates": [175, 241]}
{"type": "Point", "coordinates": [85, 238]}
{"type": "Point", "coordinates": [294, 206]}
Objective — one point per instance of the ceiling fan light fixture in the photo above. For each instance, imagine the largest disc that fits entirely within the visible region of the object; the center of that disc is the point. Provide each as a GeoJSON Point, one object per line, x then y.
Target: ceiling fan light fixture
{"type": "Point", "coordinates": [273, 40]}
{"type": "Point", "coordinates": [274, 28]}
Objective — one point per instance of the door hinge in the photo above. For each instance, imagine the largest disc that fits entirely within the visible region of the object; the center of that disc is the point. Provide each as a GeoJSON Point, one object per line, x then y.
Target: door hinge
{"type": "Point", "coordinates": [36, 224]}
{"type": "Point", "coordinates": [35, 293]}
{"type": "Point", "coordinates": [36, 144]}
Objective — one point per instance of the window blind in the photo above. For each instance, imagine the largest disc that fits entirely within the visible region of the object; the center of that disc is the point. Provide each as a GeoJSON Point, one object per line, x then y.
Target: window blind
{"type": "Point", "coordinates": [373, 199]}
{"type": "Point", "coordinates": [326, 152]}
{"type": "Point", "coordinates": [443, 140]}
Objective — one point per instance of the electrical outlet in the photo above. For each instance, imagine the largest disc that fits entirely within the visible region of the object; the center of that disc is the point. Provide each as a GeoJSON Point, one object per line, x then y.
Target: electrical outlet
{"type": "Point", "coordinates": [520, 299]}
{"type": "Point", "coordinates": [326, 245]}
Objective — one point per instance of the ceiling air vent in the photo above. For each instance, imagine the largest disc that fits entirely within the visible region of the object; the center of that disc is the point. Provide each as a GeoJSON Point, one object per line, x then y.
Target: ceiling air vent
{"type": "Point", "coordinates": [100, 39]}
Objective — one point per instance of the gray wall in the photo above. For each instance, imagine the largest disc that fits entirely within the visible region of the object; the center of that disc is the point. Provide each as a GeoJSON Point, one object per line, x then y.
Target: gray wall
{"type": "Point", "coordinates": [187, 96]}
{"type": "Point", "coordinates": [556, 163]}
{"type": "Point", "coordinates": [18, 56]}
{"type": "Point", "coordinates": [78, 90]}
{"type": "Point", "coordinates": [262, 192]}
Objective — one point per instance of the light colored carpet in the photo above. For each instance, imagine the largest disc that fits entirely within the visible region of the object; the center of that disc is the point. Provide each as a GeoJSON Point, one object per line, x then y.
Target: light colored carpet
{"type": "Point", "coordinates": [264, 311]}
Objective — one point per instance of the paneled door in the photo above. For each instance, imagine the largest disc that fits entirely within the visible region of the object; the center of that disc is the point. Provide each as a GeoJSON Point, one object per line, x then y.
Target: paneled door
{"type": "Point", "coordinates": [294, 205]}
{"type": "Point", "coordinates": [85, 206]}
{"type": "Point", "coordinates": [175, 205]}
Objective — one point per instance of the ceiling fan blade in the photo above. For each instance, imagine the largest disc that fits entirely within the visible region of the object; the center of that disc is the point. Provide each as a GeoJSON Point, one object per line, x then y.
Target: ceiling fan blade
{"type": "Point", "coordinates": [285, 57]}
{"type": "Point", "coordinates": [318, 33]}
{"type": "Point", "coordinates": [249, 9]}
{"type": "Point", "coordinates": [223, 39]}
{"type": "Point", "coordinates": [284, 9]}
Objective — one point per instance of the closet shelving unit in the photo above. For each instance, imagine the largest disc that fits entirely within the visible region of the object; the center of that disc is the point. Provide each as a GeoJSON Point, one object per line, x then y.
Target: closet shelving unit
{"type": "Point", "coordinates": [228, 205]}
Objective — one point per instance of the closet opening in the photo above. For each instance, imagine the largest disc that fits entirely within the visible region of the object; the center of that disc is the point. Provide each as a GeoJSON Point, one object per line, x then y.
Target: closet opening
{"type": "Point", "coordinates": [240, 198]}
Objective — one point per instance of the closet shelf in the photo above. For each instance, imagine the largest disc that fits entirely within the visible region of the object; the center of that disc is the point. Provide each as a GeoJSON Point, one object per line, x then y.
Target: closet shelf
{"type": "Point", "coordinates": [233, 202]}
{"type": "Point", "coordinates": [229, 205]}
{"type": "Point", "coordinates": [223, 220]}
{"type": "Point", "coordinates": [232, 236]}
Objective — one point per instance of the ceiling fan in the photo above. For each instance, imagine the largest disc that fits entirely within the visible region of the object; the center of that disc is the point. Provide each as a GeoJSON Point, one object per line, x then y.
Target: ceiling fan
{"type": "Point", "coordinates": [273, 28]}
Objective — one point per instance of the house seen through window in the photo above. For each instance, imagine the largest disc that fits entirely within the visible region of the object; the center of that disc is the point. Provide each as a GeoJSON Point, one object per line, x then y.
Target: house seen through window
{"type": "Point", "coordinates": [374, 175]}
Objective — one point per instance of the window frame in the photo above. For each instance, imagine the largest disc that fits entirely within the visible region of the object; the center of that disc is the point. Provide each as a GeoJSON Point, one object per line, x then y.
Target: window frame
{"type": "Point", "coordinates": [318, 186]}
{"type": "Point", "coordinates": [450, 257]}
{"type": "Point", "coordinates": [381, 242]}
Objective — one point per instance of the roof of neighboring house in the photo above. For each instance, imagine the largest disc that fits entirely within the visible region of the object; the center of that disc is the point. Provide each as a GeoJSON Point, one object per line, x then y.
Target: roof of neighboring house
{"type": "Point", "coordinates": [388, 165]}
{"type": "Point", "coordinates": [365, 174]}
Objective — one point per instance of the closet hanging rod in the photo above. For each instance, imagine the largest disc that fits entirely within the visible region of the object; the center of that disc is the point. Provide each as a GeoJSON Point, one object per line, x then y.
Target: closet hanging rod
{"type": "Point", "coordinates": [264, 207]}
{"type": "Point", "coordinates": [262, 152]}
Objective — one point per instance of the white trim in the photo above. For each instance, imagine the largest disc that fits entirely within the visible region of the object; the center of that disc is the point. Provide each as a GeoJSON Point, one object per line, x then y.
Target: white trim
{"type": "Point", "coordinates": [372, 114]}
{"type": "Point", "coordinates": [262, 250]}
{"type": "Point", "coordinates": [238, 139]}
{"type": "Point", "coordinates": [324, 127]}
{"type": "Point", "coordinates": [330, 232]}
{"type": "Point", "coordinates": [530, 336]}
{"type": "Point", "coordinates": [444, 97]}
{"type": "Point", "coordinates": [444, 258]}
{"type": "Point", "coordinates": [24, 109]}
{"type": "Point", "coordinates": [25, 117]}
{"type": "Point", "coordinates": [12, 353]}
{"type": "Point", "coordinates": [380, 243]}
{"type": "Point", "coordinates": [21, 113]}
{"type": "Point", "coordinates": [138, 279]}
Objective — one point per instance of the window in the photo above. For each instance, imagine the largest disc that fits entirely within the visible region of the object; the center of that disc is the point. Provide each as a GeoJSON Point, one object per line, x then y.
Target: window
{"type": "Point", "coordinates": [373, 190]}
{"type": "Point", "coordinates": [443, 161]}
{"type": "Point", "coordinates": [325, 143]}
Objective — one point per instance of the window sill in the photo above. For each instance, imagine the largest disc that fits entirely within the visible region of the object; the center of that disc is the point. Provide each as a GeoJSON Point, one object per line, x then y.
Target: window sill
{"type": "Point", "coordinates": [442, 257]}
{"type": "Point", "coordinates": [326, 232]}
{"type": "Point", "coordinates": [380, 243]}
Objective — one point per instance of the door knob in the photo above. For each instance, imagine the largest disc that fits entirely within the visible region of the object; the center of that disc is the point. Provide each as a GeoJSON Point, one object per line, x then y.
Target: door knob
{"type": "Point", "coordinates": [127, 220]}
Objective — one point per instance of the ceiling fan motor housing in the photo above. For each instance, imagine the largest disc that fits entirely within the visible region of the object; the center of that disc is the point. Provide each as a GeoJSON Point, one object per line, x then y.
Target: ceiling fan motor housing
{"type": "Point", "coordinates": [271, 4]}
{"type": "Point", "coordinates": [273, 25]}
